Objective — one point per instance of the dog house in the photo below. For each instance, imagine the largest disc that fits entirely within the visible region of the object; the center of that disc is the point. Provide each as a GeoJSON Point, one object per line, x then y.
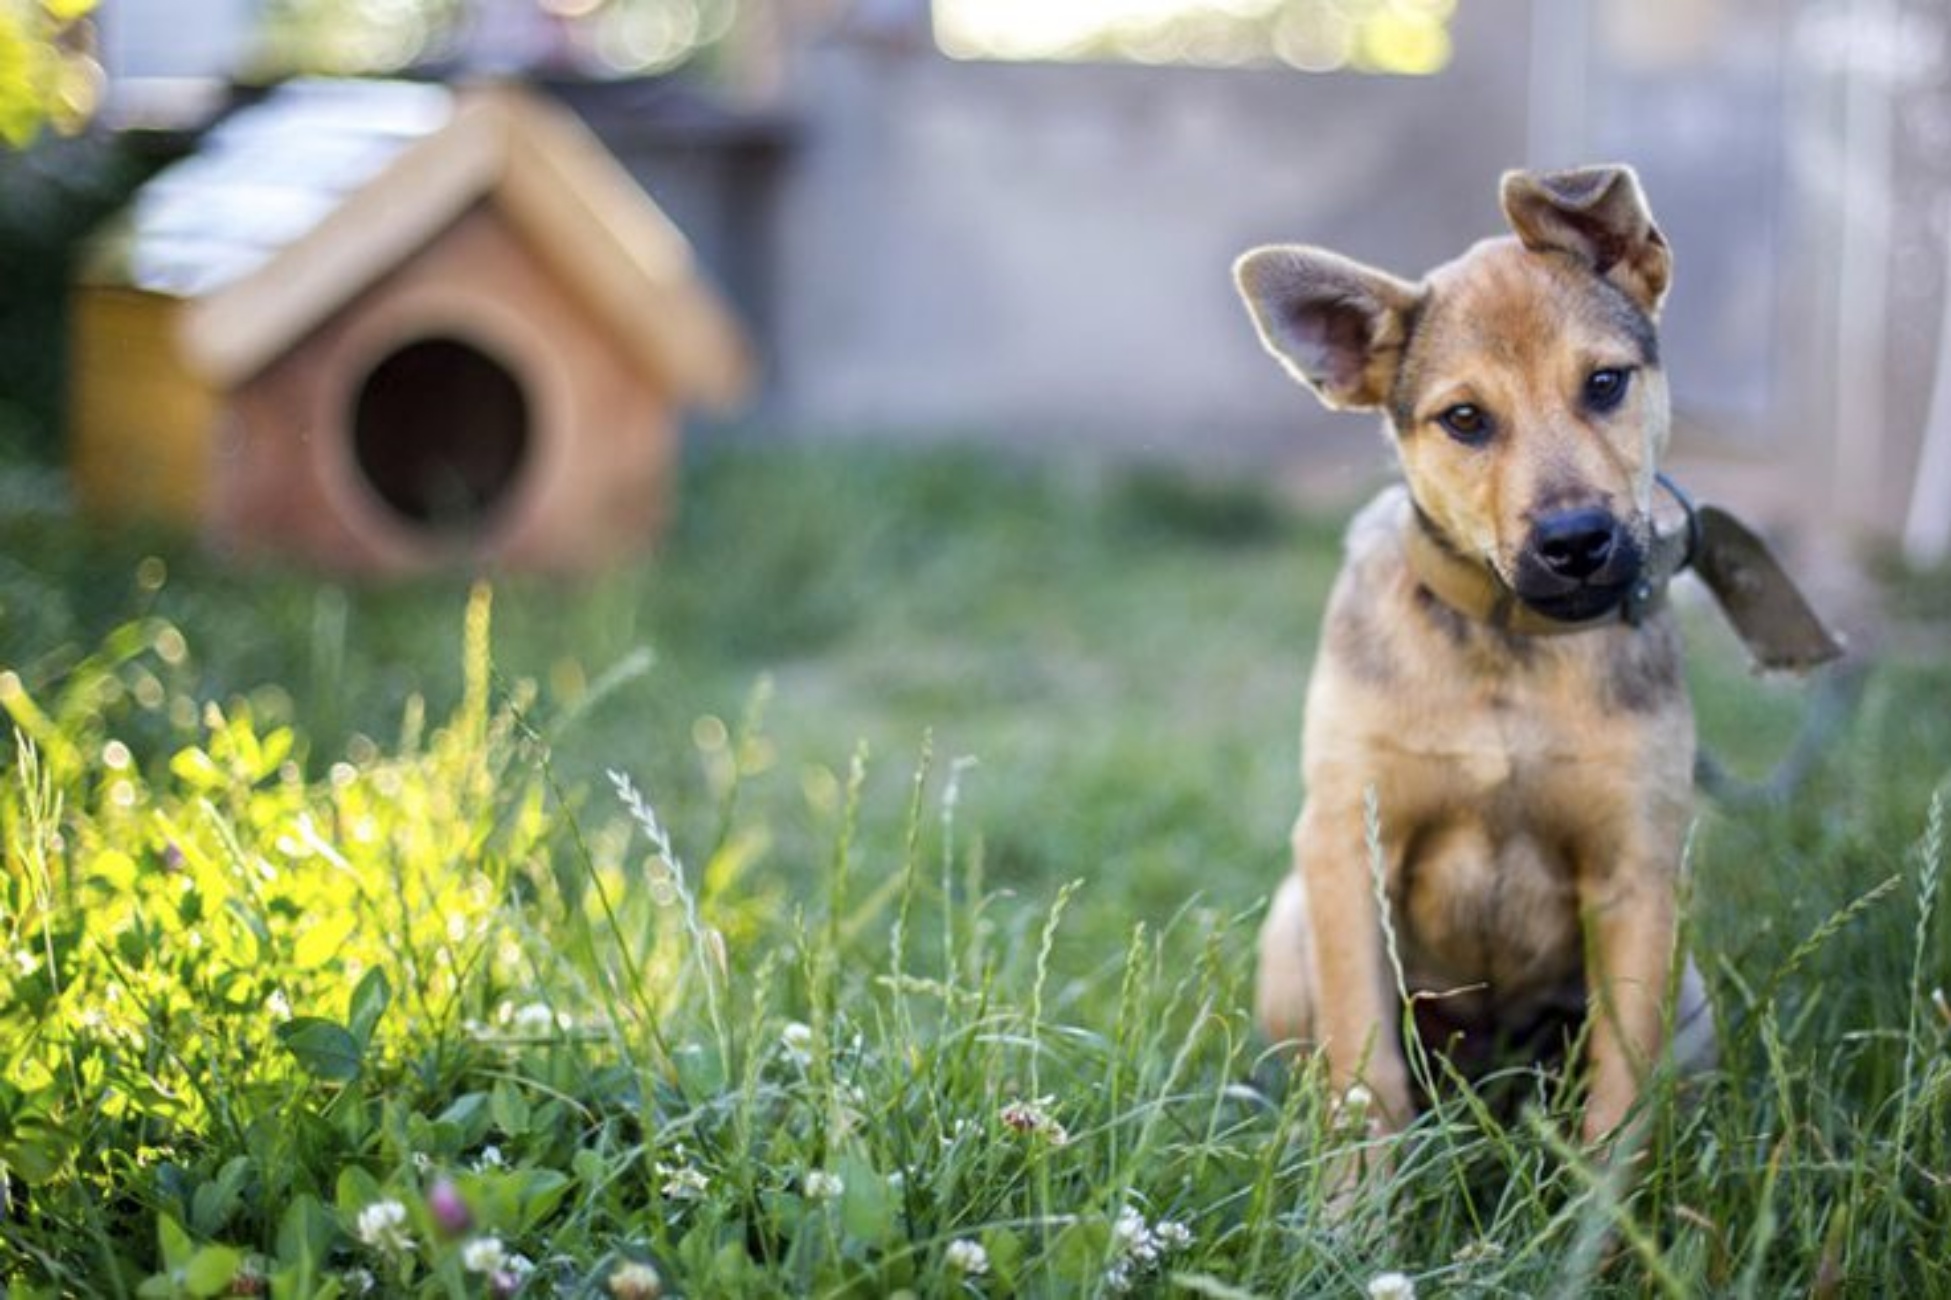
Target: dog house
{"type": "Point", "coordinates": [390, 326]}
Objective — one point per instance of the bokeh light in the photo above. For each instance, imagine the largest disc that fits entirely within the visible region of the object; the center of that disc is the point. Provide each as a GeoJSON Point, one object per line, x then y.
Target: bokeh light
{"type": "Point", "coordinates": [605, 38]}
{"type": "Point", "coordinates": [351, 37]}
{"type": "Point", "coordinates": [648, 36]}
{"type": "Point", "coordinates": [1399, 37]}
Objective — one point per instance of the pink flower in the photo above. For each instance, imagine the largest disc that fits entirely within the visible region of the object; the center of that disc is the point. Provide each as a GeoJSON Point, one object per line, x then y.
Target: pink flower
{"type": "Point", "coordinates": [449, 1211]}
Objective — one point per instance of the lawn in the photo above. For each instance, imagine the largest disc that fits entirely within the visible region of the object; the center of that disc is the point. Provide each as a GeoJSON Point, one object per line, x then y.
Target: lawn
{"type": "Point", "coordinates": [859, 897]}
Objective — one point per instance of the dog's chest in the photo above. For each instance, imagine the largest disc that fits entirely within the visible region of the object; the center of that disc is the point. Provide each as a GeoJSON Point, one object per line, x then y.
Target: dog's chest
{"type": "Point", "coordinates": [1488, 761]}
{"type": "Point", "coordinates": [1481, 904]}
{"type": "Point", "coordinates": [1476, 726]}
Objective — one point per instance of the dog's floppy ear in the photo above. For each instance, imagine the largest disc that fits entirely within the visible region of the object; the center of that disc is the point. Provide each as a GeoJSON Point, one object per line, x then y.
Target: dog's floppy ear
{"type": "Point", "coordinates": [1598, 215]}
{"type": "Point", "coordinates": [1337, 326]}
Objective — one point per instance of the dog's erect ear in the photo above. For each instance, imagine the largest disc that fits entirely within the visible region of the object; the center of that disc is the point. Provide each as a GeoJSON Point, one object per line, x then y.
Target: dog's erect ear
{"type": "Point", "coordinates": [1598, 215]}
{"type": "Point", "coordinates": [1338, 326]}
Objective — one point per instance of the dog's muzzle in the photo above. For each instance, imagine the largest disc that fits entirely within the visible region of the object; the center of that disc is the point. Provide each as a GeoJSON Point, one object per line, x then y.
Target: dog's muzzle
{"type": "Point", "coordinates": [1578, 565]}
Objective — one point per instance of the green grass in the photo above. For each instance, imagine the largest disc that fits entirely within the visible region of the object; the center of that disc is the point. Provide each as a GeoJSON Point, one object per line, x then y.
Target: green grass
{"type": "Point", "coordinates": [962, 781]}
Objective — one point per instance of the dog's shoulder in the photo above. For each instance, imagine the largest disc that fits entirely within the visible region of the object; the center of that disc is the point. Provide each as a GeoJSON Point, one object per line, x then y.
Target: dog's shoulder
{"type": "Point", "coordinates": [1375, 567]}
{"type": "Point", "coordinates": [1366, 633]}
{"type": "Point", "coordinates": [1373, 545]}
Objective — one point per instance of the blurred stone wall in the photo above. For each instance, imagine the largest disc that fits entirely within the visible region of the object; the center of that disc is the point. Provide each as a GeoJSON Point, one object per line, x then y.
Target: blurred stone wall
{"type": "Point", "coordinates": [1042, 252]}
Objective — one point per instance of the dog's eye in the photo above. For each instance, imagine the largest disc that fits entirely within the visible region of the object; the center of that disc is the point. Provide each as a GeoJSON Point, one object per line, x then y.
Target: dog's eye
{"type": "Point", "coordinates": [1467, 423]}
{"type": "Point", "coordinates": [1605, 389]}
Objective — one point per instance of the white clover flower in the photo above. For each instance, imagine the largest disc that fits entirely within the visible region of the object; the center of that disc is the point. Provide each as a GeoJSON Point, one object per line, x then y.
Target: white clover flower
{"type": "Point", "coordinates": [1391, 1286]}
{"type": "Point", "coordinates": [682, 1183]}
{"type": "Point", "coordinates": [1477, 1252]}
{"type": "Point", "coordinates": [537, 1018]}
{"type": "Point", "coordinates": [966, 1257]}
{"type": "Point", "coordinates": [382, 1225]}
{"type": "Point", "coordinates": [636, 1281]}
{"type": "Point", "coordinates": [490, 1159]}
{"type": "Point", "coordinates": [509, 1278]}
{"type": "Point", "coordinates": [1171, 1235]}
{"type": "Point", "coordinates": [483, 1255]}
{"type": "Point", "coordinates": [1032, 1118]}
{"type": "Point", "coordinates": [1022, 1116]}
{"type": "Point", "coordinates": [1132, 1239]}
{"type": "Point", "coordinates": [797, 1040]}
{"type": "Point", "coordinates": [1138, 1247]}
{"type": "Point", "coordinates": [819, 1185]}
{"type": "Point", "coordinates": [1355, 1109]}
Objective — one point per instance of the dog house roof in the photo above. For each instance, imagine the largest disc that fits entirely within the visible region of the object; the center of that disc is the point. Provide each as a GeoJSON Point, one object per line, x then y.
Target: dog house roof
{"type": "Point", "coordinates": [292, 207]}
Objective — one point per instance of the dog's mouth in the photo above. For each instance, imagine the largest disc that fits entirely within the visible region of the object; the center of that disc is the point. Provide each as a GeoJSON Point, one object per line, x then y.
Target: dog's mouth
{"type": "Point", "coordinates": [1578, 565]}
{"type": "Point", "coordinates": [1580, 605]}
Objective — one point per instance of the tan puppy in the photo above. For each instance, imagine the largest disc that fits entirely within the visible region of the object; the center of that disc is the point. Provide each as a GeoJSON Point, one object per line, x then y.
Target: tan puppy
{"type": "Point", "coordinates": [1497, 669]}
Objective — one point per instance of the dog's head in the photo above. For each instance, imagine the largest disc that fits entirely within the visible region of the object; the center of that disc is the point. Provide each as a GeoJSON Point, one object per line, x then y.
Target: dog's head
{"type": "Point", "coordinates": [1522, 380]}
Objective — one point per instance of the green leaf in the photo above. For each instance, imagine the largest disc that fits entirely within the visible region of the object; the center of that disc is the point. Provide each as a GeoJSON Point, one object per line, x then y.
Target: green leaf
{"type": "Point", "coordinates": [1005, 1251]}
{"type": "Point", "coordinates": [322, 938]}
{"type": "Point", "coordinates": [36, 1151]}
{"type": "Point", "coordinates": [356, 1190]}
{"type": "Point", "coordinates": [1077, 1256]}
{"type": "Point", "coordinates": [176, 1245]}
{"type": "Point", "coordinates": [732, 1267]}
{"type": "Point", "coordinates": [324, 1049]}
{"type": "Point", "coordinates": [276, 749]}
{"type": "Point", "coordinates": [253, 935]}
{"type": "Point", "coordinates": [589, 1168]}
{"type": "Point", "coordinates": [305, 1234]}
{"type": "Point", "coordinates": [303, 1284]}
{"type": "Point", "coordinates": [352, 1118]}
{"type": "Point", "coordinates": [367, 1005]}
{"type": "Point", "coordinates": [541, 1191]}
{"type": "Point", "coordinates": [467, 1115]}
{"type": "Point", "coordinates": [198, 770]}
{"type": "Point", "coordinates": [215, 1201]}
{"type": "Point", "coordinates": [510, 1109]}
{"type": "Point", "coordinates": [866, 1206]}
{"type": "Point", "coordinates": [211, 1270]}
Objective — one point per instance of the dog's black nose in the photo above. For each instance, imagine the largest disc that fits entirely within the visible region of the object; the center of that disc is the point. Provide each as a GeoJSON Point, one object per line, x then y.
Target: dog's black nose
{"type": "Point", "coordinates": [1576, 544]}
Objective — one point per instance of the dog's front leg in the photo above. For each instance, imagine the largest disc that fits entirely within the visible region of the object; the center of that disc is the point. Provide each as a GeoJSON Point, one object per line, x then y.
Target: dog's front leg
{"type": "Point", "coordinates": [1630, 920]}
{"type": "Point", "coordinates": [1355, 1008]}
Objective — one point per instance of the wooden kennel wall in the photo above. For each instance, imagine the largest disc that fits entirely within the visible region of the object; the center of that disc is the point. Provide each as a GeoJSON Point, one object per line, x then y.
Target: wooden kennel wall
{"type": "Point", "coordinates": [386, 326]}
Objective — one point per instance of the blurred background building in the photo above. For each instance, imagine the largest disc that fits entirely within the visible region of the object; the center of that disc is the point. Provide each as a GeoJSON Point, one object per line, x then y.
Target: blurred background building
{"type": "Point", "coordinates": [1013, 219]}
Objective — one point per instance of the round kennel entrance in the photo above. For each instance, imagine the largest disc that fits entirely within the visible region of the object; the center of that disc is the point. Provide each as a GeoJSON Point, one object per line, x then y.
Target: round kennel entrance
{"type": "Point", "coordinates": [440, 433]}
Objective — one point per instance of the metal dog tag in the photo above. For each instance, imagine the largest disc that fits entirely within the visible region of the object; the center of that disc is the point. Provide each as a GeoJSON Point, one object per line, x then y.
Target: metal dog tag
{"type": "Point", "coordinates": [1759, 599]}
